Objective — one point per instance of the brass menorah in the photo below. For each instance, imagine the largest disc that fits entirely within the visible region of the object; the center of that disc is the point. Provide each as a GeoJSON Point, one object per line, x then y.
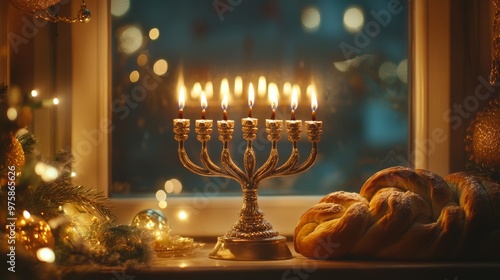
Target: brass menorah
{"type": "Point", "coordinates": [251, 237]}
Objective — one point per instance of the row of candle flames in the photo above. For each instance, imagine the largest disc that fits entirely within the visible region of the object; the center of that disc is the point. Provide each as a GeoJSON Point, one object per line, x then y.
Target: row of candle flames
{"type": "Point", "coordinates": [272, 92]}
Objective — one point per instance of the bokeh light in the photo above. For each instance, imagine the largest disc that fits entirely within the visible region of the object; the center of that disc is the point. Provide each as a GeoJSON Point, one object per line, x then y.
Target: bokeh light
{"type": "Point", "coordinates": [134, 76]}
{"type": "Point", "coordinates": [387, 72]}
{"type": "Point", "coordinates": [160, 67]}
{"type": "Point", "coordinates": [154, 33]}
{"type": "Point", "coordinates": [119, 7]}
{"type": "Point", "coordinates": [402, 71]}
{"type": "Point", "coordinates": [353, 19]}
{"type": "Point", "coordinates": [130, 39]}
{"type": "Point", "coordinates": [142, 59]}
{"type": "Point", "coordinates": [311, 19]}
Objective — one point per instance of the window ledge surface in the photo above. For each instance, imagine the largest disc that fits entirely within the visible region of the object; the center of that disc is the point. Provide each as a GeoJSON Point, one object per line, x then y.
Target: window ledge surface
{"type": "Point", "coordinates": [200, 266]}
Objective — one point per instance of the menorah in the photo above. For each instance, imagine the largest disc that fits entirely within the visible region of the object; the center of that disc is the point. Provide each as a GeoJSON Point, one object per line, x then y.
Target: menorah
{"type": "Point", "coordinates": [251, 237]}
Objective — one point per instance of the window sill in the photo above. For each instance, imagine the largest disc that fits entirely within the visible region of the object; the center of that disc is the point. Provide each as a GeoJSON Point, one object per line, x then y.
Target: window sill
{"type": "Point", "coordinates": [200, 266]}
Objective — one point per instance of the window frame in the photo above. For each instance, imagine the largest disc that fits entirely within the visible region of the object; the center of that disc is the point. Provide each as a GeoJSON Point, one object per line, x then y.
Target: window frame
{"type": "Point", "coordinates": [429, 74]}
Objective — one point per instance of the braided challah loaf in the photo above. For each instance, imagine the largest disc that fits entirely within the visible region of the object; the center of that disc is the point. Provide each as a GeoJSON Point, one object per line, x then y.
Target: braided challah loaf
{"type": "Point", "coordinates": [405, 214]}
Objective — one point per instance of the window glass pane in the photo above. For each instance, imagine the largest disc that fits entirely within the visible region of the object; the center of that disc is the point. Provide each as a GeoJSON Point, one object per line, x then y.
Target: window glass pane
{"type": "Point", "coordinates": [354, 52]}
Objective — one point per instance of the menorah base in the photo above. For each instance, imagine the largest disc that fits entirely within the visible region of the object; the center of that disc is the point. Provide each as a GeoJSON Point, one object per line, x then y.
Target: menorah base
{"type": "Point", "coordinates": [274, 248]}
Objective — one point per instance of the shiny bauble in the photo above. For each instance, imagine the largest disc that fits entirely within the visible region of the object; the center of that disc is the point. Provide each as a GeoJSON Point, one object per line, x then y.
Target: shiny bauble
{"type": "Point", "coordinates": [84, 14]}
{"type": "Point", "coordinates": [483, 140]}
{"type": "Point", "coordinates": [153, 221]}
{"type": "Point", "coordinates": [30, 6]}
{"type": "Point", "coordinates": [32, 233]}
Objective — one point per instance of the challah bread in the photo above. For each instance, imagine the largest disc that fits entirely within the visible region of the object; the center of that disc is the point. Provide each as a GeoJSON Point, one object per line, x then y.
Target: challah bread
{"type": "Point", "coordinates": [405, 214]}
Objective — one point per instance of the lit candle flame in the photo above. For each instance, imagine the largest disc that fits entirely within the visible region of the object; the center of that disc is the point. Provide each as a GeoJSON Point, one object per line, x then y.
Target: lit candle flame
{"type": "Point", "coordinates": [314, 103]}
{"type": "Point", "coordinates": [182, 100]}
{"type": "Point", "coordinates": [182, 96]}
{"type": "Point", "coordinates": [251, 99]}
{"type": "Point", "coordinates": [224, 89]}
{"type": "Point", "coordinates": [203, 99]}
{"type": "Point", "coordinates": [294, 102]}
{"type": "Point", "coordinates": [251, 95]}
{"type": "Point", "coordinates": [204, 104]}
{"type": "Point", "coordinates": [272, 91]}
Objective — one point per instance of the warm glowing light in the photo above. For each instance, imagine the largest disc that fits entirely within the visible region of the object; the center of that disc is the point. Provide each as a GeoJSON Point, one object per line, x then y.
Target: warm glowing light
{"type": "Point", "coordinates": [34, 93]}
{"type": "Point", "coordinates": [55, 100]}
{"type": "Point", "coordinates": [160, 67]}
{"type": "Point", "coordinates": [311, 19]}
{"type": "Point", "coordinates": [296, 88]}
{"type": "Point", "coordinates": [169, 186]}
{"type": "Point", "coordinates": [177, 186]}
{"type": "Point", "coordinates": [12, 113]}
{"type": "Point", "coordinates": [182, 97]}
{"type": "Point", "coordinates": [142, 59]}
{"type": "Point", "coordinates": [273, 95]}
{"type": "Point", "coordinates": [162, 204]}
{"type": "Point", "coordinates": [26, 214]}
{"type": "Point", "coordinates": [134, 76]}
{"type": "Point", "coordinates": [46, 254]}
{"type": "Point", "coordinates": [294, 102]}
{"type": "Point", "coordinates": [261, 86]}
{"type": "Point", "coordinates": [119, 7]}
{"type": "Point", "coordinates": [130, 39]}
{"type": "Point", "coordinates": [182, 215]}
{"type": "Point", "coordinates": [46, 172]}
{"type": "Point", "coordinates": [209, 89]}
{"type": "Point", "coordinates": [161, 195]}
{"type": "Point", "coordinates": [154, 33]}
{"type": "Point", "coordinates": [204, 104]}
{"type": "Point", "coordinates": [238, 86]}
{"type": "Point", "coordinates": [314, 102]}
{"type": "Point", "coordinates": [287, 89]}
{"type": "Point", "coordinates": [353, 19]}
{"type": "Point", "coordinates": [196, 91]}
{"type": "Point", "coordinates": [73, 174]}
{"type": "Point", "coordinates": [224, 90]}
{"type": "Point", "coordinates": [182, 100]}
{"type": "Point", "coordinates": [251, 95]}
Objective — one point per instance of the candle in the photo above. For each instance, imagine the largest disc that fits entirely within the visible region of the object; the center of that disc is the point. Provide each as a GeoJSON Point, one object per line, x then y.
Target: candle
{"type": "Point", "coordinates": [314, 104]}
{"type": "Point", "coordinates": [224, 88]}
{"type": "Point", "coordinates": [182, 98]}
{"type": "Point", "coordinates": [251, 98]}
{"type": "Point", "coordinates": [294, 103]}
{"type": "Point", "coordinates": [204, 104]}
{"type": "Point", "coordinates": [273, 98]}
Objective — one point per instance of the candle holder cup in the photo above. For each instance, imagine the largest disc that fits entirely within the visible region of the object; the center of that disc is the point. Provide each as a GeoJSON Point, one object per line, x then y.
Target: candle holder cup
{"type": "Point", "coordinates": [251, 237]}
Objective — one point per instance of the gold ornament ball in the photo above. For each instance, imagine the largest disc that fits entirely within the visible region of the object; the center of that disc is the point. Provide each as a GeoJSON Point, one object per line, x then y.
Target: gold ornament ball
{"type": "Point", "coordinates": [31, 6]}
{"type": "Point", "coordinates": [483, 140]}
{"type": "Point", "coordinates": [153, 221]}
{"type": "Point", "coordinates": [33, 233]}
{"type": "Point", "coordinates": [84, 14]}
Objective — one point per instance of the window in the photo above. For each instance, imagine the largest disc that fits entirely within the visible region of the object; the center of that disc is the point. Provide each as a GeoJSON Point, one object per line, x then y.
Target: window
{"type": "Point", "coordinates": [355, 52]}
{"type": "Point", "coordinates": [208, 215]}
